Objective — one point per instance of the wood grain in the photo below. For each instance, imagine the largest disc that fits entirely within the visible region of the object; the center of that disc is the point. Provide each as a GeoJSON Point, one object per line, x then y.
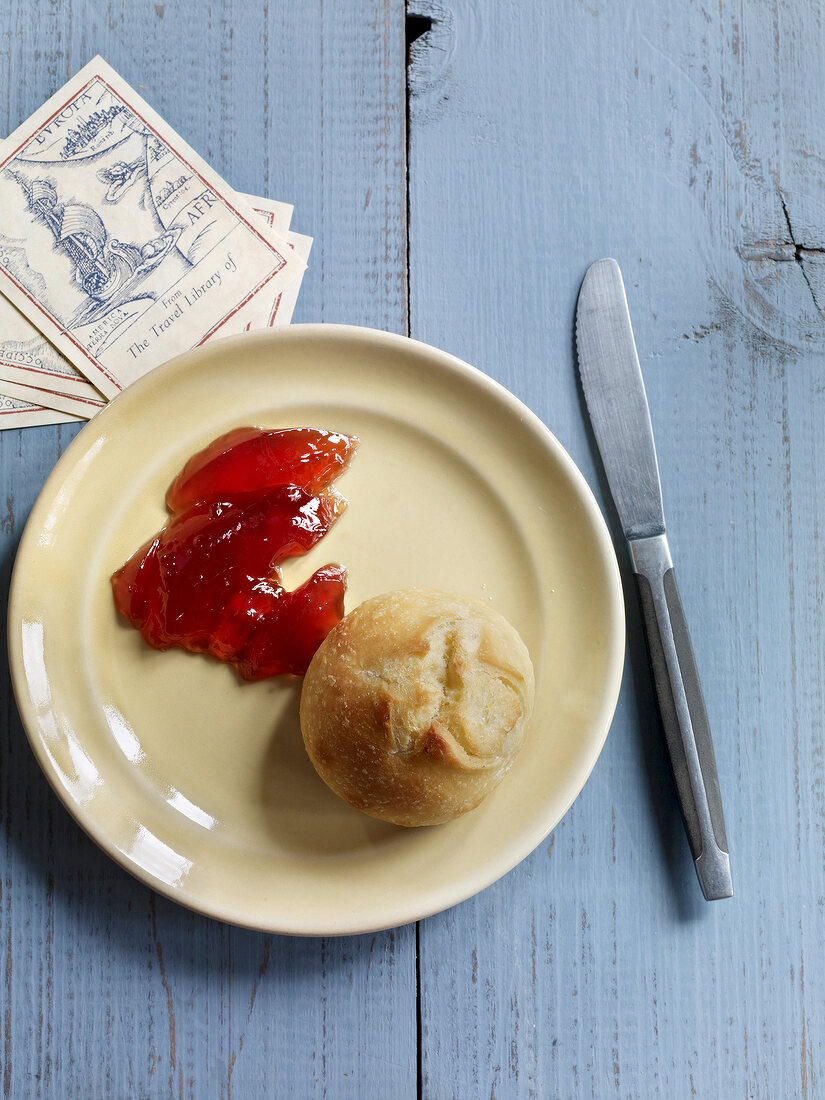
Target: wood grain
{"type": "Point", "coordinates": [111, 991]}
{"type": "Point", "coordinates": [689, 142]}
{"type": "Point", "coordinates": [686, 141]}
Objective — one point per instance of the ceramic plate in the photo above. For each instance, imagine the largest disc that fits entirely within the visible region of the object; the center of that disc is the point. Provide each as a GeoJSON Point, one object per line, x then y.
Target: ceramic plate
{"type": "Point", "coordinates": [197, 782]}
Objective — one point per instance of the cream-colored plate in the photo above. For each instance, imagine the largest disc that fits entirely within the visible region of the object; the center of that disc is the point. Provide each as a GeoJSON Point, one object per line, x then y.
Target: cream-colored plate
{"type": "Point", "coordinates": [197, 782]}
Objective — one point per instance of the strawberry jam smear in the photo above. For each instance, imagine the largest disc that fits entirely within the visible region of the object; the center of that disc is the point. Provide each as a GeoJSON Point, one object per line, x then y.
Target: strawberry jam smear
{"type": "Point", "coordinates": [209, 581]}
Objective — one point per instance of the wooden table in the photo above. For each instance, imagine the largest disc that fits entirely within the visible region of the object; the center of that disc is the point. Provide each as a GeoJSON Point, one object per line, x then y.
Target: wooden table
{"type": "Point", "coordinates": [457, 187]}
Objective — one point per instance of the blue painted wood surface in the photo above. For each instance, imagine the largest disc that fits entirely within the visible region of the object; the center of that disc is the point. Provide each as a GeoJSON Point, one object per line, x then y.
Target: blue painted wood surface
{"type": "Point", "coordinates": [687, 140]}
{"type": "Point", "coordinates": [668, 136]}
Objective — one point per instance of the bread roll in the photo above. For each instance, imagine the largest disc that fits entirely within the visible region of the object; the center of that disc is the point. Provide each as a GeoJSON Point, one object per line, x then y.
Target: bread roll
{"type": "Point", "coordinates": [415, 705]}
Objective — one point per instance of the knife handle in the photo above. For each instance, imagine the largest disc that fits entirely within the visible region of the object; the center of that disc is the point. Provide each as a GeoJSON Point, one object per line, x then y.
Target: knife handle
{"type": "Point", "coordinates": [684, 718]}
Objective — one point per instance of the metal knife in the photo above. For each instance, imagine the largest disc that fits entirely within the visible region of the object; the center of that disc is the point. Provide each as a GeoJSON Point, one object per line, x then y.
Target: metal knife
{"type": "Point", "coordinates": [616, 400]}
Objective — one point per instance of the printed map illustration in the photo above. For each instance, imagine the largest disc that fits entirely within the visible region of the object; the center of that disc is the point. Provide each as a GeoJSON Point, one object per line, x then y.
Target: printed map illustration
{"type": "Point", "coordinates": [111, 218]}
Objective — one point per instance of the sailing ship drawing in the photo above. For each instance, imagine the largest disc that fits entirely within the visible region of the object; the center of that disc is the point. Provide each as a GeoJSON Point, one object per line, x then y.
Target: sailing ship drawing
{"type": "Point", "coordinates": [107, 270]}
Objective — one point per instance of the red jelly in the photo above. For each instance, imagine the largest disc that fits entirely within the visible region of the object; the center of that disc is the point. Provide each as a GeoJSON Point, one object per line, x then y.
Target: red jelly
{"type": "Point", "coordinates": [209, 581]}
{"type": "Point", "coordinates": [249, 458]}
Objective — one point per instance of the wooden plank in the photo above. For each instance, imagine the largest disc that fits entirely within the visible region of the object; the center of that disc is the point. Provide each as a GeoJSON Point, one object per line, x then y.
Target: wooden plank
{"type": "Point", "coordinates": [687, 141]}
{"type": "Point", "coordinates": [109, 990]}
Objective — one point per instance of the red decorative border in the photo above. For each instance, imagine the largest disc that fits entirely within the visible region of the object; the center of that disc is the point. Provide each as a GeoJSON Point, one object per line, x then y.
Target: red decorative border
{"type": "Point", "coordinates": [41, 370]}
{"type": "Point", "coordinates": [58, 393]}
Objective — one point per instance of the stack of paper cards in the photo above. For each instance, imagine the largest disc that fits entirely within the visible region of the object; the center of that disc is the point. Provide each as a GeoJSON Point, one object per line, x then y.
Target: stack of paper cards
{"type": "Point", "coordinates": [121, 248]}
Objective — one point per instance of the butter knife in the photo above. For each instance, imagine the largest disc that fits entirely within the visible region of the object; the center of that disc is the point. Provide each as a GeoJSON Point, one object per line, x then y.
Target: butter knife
{"type": "Point", "coordinates": [616, 401]}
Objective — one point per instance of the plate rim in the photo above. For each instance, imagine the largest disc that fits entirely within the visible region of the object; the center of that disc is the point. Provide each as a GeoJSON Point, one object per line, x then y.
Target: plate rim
{"type": "Point", "coordinates": [524, 843]}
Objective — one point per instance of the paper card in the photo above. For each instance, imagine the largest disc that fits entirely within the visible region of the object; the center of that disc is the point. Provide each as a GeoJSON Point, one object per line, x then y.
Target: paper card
{"type": "Point", "coordinates": [28, 359]}
{"type": "Point", "coordinates": [118, 241]}
{"type": "Point", "coordinates": [288, 299]}
{"type": "Point", "coordinates": [261, 313]}
{"type": "Point", "coordinates": [277, 215]}
{"type": "Point", "coordinates": [19, 414]}
{"type": "Point", "coordinates": [280, 313]}
{"type": "Point", "coordinates": [52, 399]}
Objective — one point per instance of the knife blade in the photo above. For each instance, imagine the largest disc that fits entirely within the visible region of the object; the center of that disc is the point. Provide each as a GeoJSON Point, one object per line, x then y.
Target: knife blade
{"type": "Point", "coordinates": [617, 404]}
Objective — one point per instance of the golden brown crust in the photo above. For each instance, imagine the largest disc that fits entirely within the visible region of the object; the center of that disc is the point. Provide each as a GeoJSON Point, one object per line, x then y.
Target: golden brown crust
{"type": "Point", "coordinates": [414, 707]}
